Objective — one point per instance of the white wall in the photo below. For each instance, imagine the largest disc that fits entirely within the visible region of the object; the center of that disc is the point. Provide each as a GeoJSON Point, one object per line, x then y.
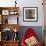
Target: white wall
{"type": "Point", "coordinates": [26, 3]}
{"type": "Point", "coordinates": [32, 3]}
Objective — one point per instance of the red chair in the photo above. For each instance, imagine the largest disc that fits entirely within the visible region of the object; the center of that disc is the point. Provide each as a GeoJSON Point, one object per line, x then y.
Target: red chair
{"type": "Point", "coordinates": [29, 33]}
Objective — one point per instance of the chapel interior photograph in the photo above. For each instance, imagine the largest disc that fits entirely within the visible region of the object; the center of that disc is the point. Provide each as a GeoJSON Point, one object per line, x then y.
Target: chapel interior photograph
{"type": "Point", "coordinates": [22, 22]}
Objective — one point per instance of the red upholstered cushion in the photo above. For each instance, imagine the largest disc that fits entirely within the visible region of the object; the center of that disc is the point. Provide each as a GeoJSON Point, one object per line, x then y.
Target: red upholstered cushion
{"type": "Point", "coordinates": [29, 33]}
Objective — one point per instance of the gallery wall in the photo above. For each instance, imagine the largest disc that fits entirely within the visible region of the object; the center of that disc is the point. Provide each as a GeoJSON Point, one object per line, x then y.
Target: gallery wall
{"type": "Point", "coordinates": [26, 3]}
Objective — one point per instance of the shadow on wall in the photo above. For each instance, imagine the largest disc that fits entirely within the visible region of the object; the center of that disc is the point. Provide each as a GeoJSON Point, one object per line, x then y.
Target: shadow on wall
{"type": "Point", "coordinates": [37, 29]}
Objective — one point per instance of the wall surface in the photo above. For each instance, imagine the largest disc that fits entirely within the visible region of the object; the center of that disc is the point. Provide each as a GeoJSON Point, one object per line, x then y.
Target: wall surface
{"type": "Point", "coordinates": [26, 3]}
{"type": "Point", "coordinates": [32, 3]}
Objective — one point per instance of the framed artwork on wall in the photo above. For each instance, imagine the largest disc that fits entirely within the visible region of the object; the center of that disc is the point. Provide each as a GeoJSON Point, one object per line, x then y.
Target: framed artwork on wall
{"type": "Point", "coordinates": [30, 14]}
{"type": "Point", "coordinates": [5, 12]}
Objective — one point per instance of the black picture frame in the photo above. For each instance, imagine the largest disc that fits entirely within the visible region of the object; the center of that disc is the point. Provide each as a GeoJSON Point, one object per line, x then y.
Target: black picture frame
{"type": "Point", "coordinates": [30, 14]}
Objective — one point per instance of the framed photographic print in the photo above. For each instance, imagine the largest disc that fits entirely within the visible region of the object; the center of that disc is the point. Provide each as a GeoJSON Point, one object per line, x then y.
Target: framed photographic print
{"type": "Point", "coordinates": [30, 14]}
{"type": "Point", "coordinates": [5, 12]}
